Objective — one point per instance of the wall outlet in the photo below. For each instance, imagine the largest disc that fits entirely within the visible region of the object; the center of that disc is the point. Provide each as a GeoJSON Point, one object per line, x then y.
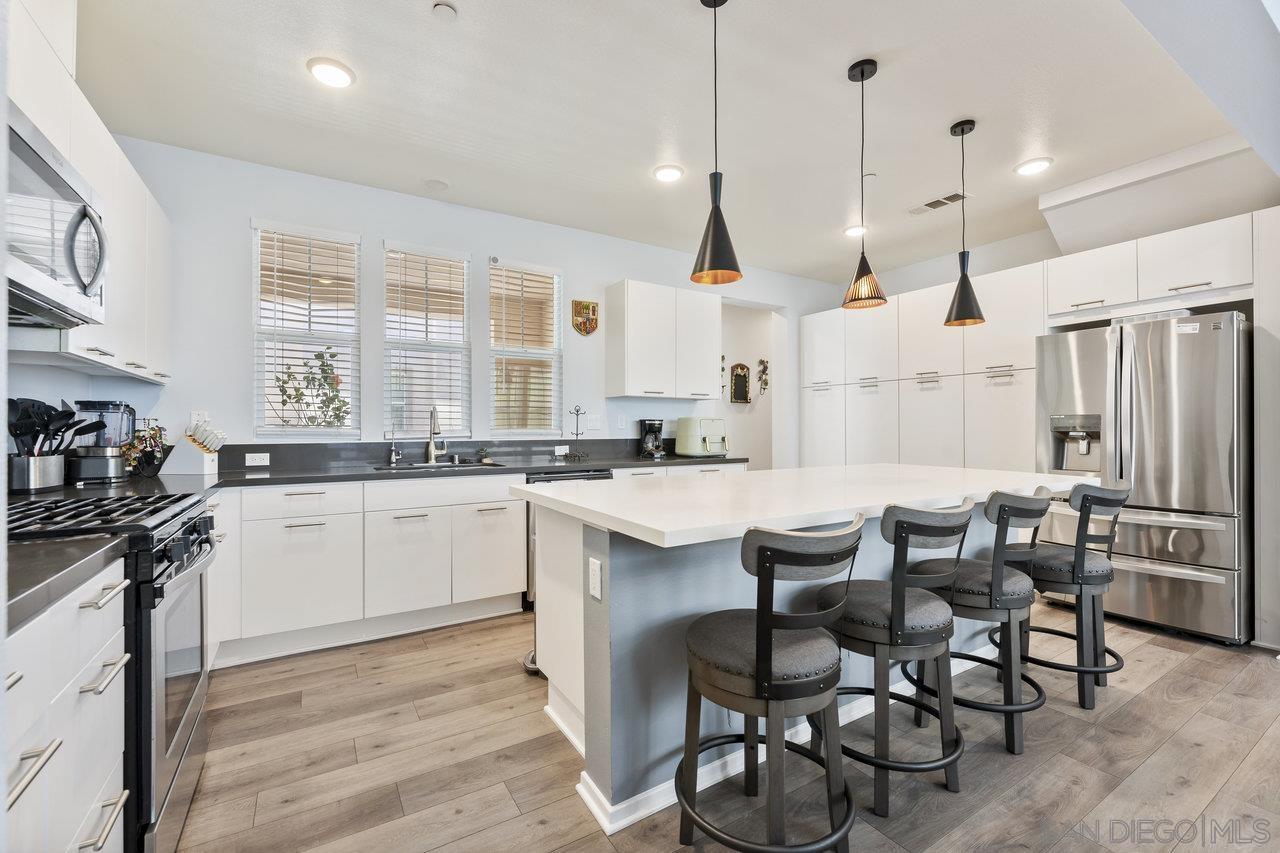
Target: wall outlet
{"type": "Point", "coordinates": [253, 460]}
{"type": "Point", "coordinates": [594, 423]}
{"type": "Point", "coordinates": [560, 450]}
{"type": "Point", "coordinates": [198, 417]}
{"type": "Point", "coordinates": [593, 578]}
{"type": "Point", "coordinates": [622, 422]}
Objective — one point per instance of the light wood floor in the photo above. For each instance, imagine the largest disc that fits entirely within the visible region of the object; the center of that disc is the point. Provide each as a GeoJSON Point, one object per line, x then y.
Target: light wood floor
{"type": "Point", "coordinates": [437, 741]}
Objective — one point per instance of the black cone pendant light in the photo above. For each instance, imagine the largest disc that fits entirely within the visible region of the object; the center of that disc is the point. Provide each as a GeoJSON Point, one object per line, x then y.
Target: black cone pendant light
{"type": "Point", "coordinates": [864, 289]}
{"type": "Point", "coordinates": [716, 262]}
{"type": "Point", "coordinates": [964, 309]}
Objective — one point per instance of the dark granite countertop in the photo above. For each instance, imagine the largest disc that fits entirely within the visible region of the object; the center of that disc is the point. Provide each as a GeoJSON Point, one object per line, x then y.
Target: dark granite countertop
{"type": "Point", "coordinates": [44, 571]}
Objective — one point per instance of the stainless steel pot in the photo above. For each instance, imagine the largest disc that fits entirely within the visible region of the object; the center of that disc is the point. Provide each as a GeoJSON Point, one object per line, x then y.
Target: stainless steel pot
{"type": "Point", "coordinates": [30, 474]}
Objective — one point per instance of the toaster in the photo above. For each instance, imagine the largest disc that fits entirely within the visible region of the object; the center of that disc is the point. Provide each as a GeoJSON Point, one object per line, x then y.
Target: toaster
{"type": "Point", "coordinates": [697, 436]}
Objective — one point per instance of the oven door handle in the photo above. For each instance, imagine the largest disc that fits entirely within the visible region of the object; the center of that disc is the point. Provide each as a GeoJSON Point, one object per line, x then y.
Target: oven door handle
{"type": "Point", "coordinates": [196, 568]}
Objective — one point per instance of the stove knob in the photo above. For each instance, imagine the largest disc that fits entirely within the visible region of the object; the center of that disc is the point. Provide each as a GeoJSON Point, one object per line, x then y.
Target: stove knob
{"type": "Point", "coordinates": [176, 550]}
{"type": "Point", "coordinates": [205, 525]}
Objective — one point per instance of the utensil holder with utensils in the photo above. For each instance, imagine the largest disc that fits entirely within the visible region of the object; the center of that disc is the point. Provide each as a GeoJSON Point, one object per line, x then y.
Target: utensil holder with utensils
{"type": "Point", "coordinates": [34, 474]}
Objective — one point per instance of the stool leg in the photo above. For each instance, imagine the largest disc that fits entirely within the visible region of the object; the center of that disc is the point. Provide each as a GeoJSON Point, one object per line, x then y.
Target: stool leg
{"type": "Point", "coordinates": [882, 664]}
{"type": "Point", "coordinates": [835, 769]}
{"type": "Point", "coordinates": [947, 711]}
{"type": "Point", "coordinates": [922, 673]}
{"type": "Point", "coordinates": [692, 727]}
{"type": "Point", "coordinates": [1084, 651]}
{"type": "Point", "coordinates": [751, 756]}
{"type": "Point", "coordinates": [1011, 670]}
{"type": "Point", "coordinates": [1026, 637]}
{"type": "Point", "coordinates": [1099, 640]}
{"type": "Point", "coordinates": [815, 730]}
{"type": "Point", "coordinates": [774, 734]}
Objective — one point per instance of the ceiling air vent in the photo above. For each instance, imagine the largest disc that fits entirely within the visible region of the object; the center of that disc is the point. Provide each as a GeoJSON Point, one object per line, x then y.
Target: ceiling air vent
{"type": "Point", "coordinates": [937, 204]}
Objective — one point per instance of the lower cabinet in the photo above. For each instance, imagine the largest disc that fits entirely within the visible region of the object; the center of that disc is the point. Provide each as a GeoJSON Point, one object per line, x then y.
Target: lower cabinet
{"type": "Point", "coordinates": [999, 420]}
{"type": "Point", "coordinates": [490, 551]}
{"type": "Point", "coordinates": [931, 421]}
{"type": "Point", "coordinates": [870, 423]}
{"type": "Point", "coordinates": [407, 560]}
{"type": "Point", "coordinates": [224, 574]}
{"type": "Point", "coordinates": [623, 473]}
{"type": "Point", "coordinates": [822, 426]}
{"type": "Point", "coordinates": [302, 572]}
{"type": "Point", "coordinates": [710, 470]}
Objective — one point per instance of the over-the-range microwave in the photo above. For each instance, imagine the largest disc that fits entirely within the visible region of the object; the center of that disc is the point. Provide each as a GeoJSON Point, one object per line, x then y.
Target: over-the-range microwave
{"type": "Point", "coordinates": [57, 258]}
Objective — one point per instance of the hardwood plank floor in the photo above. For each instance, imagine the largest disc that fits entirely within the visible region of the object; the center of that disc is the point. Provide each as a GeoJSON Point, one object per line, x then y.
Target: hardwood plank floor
{"type": "Point", "coordinates": [437, 741]}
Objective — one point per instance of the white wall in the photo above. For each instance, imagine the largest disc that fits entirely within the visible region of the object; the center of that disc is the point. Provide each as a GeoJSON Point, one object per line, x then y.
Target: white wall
{"type": "Point", "coordinates": [746, 335]}
{"type": "Point", "coordinates": [211, 200]}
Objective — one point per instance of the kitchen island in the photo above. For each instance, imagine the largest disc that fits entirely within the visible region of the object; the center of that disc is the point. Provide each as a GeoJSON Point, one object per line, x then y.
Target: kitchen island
{"type": "Point", "coordinates": [624, 566]}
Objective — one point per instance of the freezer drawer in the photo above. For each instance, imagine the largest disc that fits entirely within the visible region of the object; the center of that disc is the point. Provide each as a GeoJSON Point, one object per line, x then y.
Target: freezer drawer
{"type": "Point", "coordinates": [1199, 540]}
{"type": "Point", "coordinates": [1196, 599]}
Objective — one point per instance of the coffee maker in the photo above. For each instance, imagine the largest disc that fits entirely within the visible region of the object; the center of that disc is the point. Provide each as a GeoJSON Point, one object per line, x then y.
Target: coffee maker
{"type": "Point", "coordinates": [651, 438]}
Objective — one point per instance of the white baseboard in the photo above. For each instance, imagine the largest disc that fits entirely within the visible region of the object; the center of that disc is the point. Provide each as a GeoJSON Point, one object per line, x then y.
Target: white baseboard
{"type": "Point", "coordinates": [566, 718]}
{"type": "Point", "coordinates": [613, 817]}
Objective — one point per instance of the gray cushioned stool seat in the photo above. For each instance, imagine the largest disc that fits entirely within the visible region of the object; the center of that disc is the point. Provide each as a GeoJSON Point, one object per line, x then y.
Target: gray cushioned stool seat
{"type": "Point", "coordinates": [1053, 563]}
{"type": "Point", "coordinates": [866, 615]}
{"type": "Point", "coordinates": [725, 641]}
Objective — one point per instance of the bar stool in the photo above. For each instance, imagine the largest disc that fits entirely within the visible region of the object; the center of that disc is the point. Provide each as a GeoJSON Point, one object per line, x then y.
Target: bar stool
{"type": "Point", "coordinates": [901, 620]}
{"type": "Point", "coordinates": [991, 591]}
{"type": "Point", "coordinates": [763, 663]}
{"type": "Point", "coordinates": [1086, 574]}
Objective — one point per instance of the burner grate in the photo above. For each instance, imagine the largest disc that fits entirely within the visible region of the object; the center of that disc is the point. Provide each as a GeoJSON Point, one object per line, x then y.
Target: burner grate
{"type": "Point", "coordinates": [38, 519]}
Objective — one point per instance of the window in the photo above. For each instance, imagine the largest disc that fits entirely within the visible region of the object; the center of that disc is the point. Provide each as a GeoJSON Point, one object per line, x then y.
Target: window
{"type": "Point", "coordinates": [427, 358]}
{"type": "Point", "coordinates": [306, 334]}
{"type": "Point", "coordinates": [524, 337]}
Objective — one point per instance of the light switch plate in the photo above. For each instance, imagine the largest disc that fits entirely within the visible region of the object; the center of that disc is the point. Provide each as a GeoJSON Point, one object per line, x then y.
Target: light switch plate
{"type": "Point", "coordinates": [593, 578]}
{"type": "Point", "coordinates": [253, 460]}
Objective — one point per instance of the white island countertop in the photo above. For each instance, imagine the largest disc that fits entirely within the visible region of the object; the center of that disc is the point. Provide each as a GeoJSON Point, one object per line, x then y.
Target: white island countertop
{"type": "Point", "coordinates": [674, 511]}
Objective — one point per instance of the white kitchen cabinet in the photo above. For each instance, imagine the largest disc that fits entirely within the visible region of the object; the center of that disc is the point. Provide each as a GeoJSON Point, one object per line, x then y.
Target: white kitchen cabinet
{"type": "Point", "coordinates": [27, 820]}
{"type": "Point", "coordinates": [698, 331]}
{"type": "Point", "coordinates": [710, 469]}
{"type": "Point", "coordinates": [158, 282]}
{"type": "Point", "coordinates": [871, 342]}
{"type": "Point", "coordinates": [490, 550]}
{"type": "Point", "coordinates": [304, 499]}
{"type": "Point", "coordinates": [407, 560]}
{"type": "Point", "coordinates": [640, 340]}
{"type": "Point", "coordinates": [56, 20]}
{"type": "Point", "coordinates": [822, 426]}
{"type": "Point", "coordinates": [438, 491]}
{"type": "Point", "coordinates": [931, 421]}
{"type": "Point", "coordinates": [224, 574]}
{"type": "Point", "coordinates": [624, 473]}
{"type": "Point", "coordinates": [1000, 421]}
{"type": "Point", "coordinates": [926, 346]}
{"type": "Point", "coordinates": [1093, 279]}
{"type": "Point", "coordinates": [302, 572]}
{"type": "Point", "coordinates": [822, 348]}
{"type": "Point", "coordinates": [870, 422]}
{"type": "Point", "coordinates": [1012, 302]}
{"type": "Point", "coordinates": [1202, 257]}
{"type": "Point", "coordinates": [38, 81]}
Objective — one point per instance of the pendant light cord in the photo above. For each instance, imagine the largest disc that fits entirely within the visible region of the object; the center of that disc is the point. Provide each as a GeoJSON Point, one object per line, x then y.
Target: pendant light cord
{"type": "Point", "coordinates": [862, 169]}
{"type": "Point", "coordinates": [715, 86]}
{"type": "Point", "coordinates": [963, 221]}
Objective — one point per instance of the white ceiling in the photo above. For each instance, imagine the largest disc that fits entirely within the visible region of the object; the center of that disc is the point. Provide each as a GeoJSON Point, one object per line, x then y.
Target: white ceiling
{"type": "Point", "coordinates": [558, 110]}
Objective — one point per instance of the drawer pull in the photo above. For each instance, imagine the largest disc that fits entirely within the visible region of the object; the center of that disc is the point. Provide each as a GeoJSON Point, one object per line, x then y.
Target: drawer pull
{"type": "Point", "coordinates": [820, 382]}
{"type": "Point", "coordinates": [928, 381]}
{"type": "Point", "coordinates": [699, 394]}
{"type": "Point", "coordinates": [41, 757]}
{"type": "Point", "coordinates": [1090, 302]}
{"type": "Point", "coordinates": [655, 392]}
{"type": "Point", "coordinates": [116, 667]}
{"type": "Point", "coordinates": [643, 474]}
{"type": "Point", "coordinates": [11, 680]}
{"type": "Point", "coordinates": [139, 365]}
{"type": "Point", "coordinates": [406, 517]}
{"type": "Point", "coordinates": [302, 494]}
{"type": "Point", "coordinates": [867, 378]}
{"type": "Point", "coordinates": [218, 537]}
{"type": "Point", "coordinates": [999, 367]}
{"type": "Point", "coordinates": [999, 375]}
{"type": "Point", "coordinates": [869, 385]}
{"type": "Point", "coordinates": [100, 351]}
{"type": "Point", "coordinates": [1183, 287]}
{"type": "Point", "coordinates": [163, 375]}
{"type": "Point", "coordinates": [493, 509]}
{"type": "Point", "coordinates": [108, 593]}
{"type": "Point", "coordinates": [306, 524]}
{"type": "Point", "coordinates": [117, 806]}
{"type": "Point", "coordinates": [926, 373]}
{"type": "Point", "coordinates": [709, 470]}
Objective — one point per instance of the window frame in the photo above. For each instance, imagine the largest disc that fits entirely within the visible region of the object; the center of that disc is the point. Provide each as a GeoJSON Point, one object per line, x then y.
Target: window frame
{"type": "Point", "coordinates": [555, 356]}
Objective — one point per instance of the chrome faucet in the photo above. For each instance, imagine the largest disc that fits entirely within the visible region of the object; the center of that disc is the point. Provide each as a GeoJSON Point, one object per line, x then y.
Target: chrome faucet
{"type": "Point", "coordinates": [432, 450]}
{"type": "Point", "coordinates": [396, 455]}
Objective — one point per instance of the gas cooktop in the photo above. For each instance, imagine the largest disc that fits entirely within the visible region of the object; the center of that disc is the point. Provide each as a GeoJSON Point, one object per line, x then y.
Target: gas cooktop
{"type": "Point", "coordinates": [43, 519]}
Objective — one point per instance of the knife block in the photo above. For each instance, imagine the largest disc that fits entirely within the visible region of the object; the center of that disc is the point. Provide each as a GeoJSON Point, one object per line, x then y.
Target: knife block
{"type": "Point", "coordinates": [191, 457]}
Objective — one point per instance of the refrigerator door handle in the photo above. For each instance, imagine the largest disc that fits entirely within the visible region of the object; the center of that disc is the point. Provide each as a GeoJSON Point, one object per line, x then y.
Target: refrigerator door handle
{"type": "Point", "coordinates": [1110, 417]}
{"type": "Point", "coordinates": [1168, 570]}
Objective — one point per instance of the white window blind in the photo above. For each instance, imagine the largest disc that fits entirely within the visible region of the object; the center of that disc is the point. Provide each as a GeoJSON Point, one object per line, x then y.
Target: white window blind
{"type": "Point", "coordinates": [524, 339]}
{"type": "Point", "coordinates": [307, 334]}
{"type": "Point", "coordinates": [427, 357]}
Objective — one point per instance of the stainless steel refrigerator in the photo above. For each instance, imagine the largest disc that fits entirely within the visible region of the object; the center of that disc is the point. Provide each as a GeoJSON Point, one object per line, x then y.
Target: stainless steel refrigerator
{"type": "Point", "coordinates": [1162, 405]}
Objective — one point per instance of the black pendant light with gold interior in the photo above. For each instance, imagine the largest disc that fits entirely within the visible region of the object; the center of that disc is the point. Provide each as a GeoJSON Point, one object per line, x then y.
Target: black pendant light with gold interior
{"type": "Point", "coordinates": [864, 289]}
{"type": "Point", "coordinates": [716, 262]}
{"type": "Point", "coordinates": [964, 309]}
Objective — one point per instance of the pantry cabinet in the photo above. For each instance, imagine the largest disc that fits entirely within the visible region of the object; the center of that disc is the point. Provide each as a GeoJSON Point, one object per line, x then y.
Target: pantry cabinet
{"type": "Point", "coordinates": [931, 425]}
{"type": "Point", "coordinates": [1012, 302]}
{"type": "Point", "coordinates": [871, 422]}
{"type": "Point", "coordinates": [1203, 257]}
{"type": "Point", "coordinates": [871, 342]}
{"type": "Point", "coordinates": [822, 357]}
{"type": "Point", "coordinates": [822, 426]}
{"type": "Point", "coordinates": [1093, 279]}
{"type": "Point", "coordinates": [407, 560]}
{"type": "Point", "coordinates": [489, 550]}
{"type": "Point", "coordinates": [661, 342]}
{"type": "Point", "coordinates": [927, 347]}
{"type": "Point", "coordinates": [999, 420]}
{"type": "Point", "coordinates": [698, 349]}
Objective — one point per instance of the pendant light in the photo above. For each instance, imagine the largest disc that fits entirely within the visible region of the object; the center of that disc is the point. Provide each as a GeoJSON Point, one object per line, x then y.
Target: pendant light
{"type": "Point", "coordinates": [964, 309]}
{"type": "Point", "coordinates": [864, 289]}
{"type": "Point", "coordinates": [716, 262]}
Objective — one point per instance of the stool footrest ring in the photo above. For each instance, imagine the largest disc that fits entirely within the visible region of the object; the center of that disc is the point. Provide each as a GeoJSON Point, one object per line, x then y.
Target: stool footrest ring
{"type": "Point", "coordinates": [744, 845]}
{"type": "Point", "coordinates": [1116, 665]}
{"type": "Point", "coordinates": [902, 766]}
{"type": "Point", "coordinates": [974, 704]}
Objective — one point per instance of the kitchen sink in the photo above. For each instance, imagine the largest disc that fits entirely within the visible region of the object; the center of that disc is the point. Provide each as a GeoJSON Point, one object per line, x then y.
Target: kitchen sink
{"type": "Point", "coordinates": [432, 466]}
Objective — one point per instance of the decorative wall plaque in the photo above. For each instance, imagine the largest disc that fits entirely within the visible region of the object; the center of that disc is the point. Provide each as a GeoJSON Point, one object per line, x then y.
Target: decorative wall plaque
{"type": "Point", "coordinates": [586, 316]}
{"type": "Point", "coordinates": [739, 384]}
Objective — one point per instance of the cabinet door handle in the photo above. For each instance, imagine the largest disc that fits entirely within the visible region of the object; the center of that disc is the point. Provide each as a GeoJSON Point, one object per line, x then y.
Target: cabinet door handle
{"type": "Point", "coordinates": [698, 394]}
{"type": "Point", "coordinates": [643, 474]}
{"type": "Point", "coordinates": [655, 392]}
{"type": "Point", "coordinates": [41, 757]}
{"type": "Point", "coordinates": [307, 524]}
{"type": "Point", "coordinates": [218, 537]}
{"type": "Point", "coordinates": [115, 667]}
{"type": "Point", "coordinates": [108, 593]}
{"type": "Point", "coordinates": [163, 375]}
{"type": "Point", "coordinates": [999, 367]}
{"type": "Point", "coordinates": [709, 470]}
{"type": "Point", "coordinates": [820, 382]}
{"type": "Point", "coordinates": [403, 517]}
{"type": "Point", "coordinates": [999, 375]}
{"type": "Point", "coordinates": [100, 351]}
{"type": "Point", "coordinates": [116, 805]}
{"type": "Point", "coordinates": [1183, 287]}
{"type": "Point", "coordinates": [867, 378]}
{"type": "Point", "coordinates": [928, 381]}
{"type": "Point", "coordinates": [815, 390]}
{"type": "Point", "coordinates": [869, 385]}
{"type": "Point", "coordinates": [302, 494]}
{"type": "Point", "coordinates": [11, 680]}
{"type": "Point", "coordinates": [136, 364]}
{"type": "Point", "coordinates": [926, 373]}
{"type": "Point", "coordinates": [493, 509]}
{"type": "Point", "coordinates": [1090, 302]}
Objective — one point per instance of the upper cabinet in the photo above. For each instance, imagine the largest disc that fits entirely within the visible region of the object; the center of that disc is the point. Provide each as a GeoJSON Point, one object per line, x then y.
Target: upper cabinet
{"type": "Point", "coordinates": [871, 342]}
{"type": "Point", "coordinates": [1013, 303]}
{"type": "Point", "coordinates": [56, 20]}
{"type": "Point", "coordinates": [822, 357]}
{"type": "Point", "coordinates": [661, 342]}
{"type": "Point", "coordinates": [159, 278]}
{"type": "Point", "coordinates": [39, 83]}
{"type": "Point", "coordinates": [926, 347]}
{"type": "Point", "coordinates": [1092, 279]}
{"type": "Point", "coordinates": [1212, 255]}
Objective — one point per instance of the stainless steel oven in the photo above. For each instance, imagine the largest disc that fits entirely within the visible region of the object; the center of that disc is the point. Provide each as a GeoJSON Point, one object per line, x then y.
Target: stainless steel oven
{"type": "Point", "coordinates": [57, 243]}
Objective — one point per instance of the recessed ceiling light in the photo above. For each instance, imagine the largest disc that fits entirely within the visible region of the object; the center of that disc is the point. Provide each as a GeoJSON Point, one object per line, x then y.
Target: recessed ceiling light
{"type": "Point", "coordinates": [331, 72]}
{"type": "Point", "coordinates": [435, 185]}
{"type": "Point", "coordinates": [1034, 167]}
{"type": "Point", "coordinates": [855, 231]}
{"type": "Point", "coordinates": [668, 172]}
{"type": "Point", "coordinates": [445, 12]}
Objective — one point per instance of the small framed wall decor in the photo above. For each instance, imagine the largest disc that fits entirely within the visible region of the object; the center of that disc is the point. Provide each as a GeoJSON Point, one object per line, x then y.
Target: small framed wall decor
{"type": "Point", "coordinates": [739, 384]}
{"type": "Point", "coordinates": [586, 316]}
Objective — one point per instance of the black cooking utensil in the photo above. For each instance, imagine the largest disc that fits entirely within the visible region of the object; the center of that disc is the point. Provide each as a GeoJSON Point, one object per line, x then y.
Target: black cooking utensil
{"type": "Point", "coordinates": [87, 429]}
